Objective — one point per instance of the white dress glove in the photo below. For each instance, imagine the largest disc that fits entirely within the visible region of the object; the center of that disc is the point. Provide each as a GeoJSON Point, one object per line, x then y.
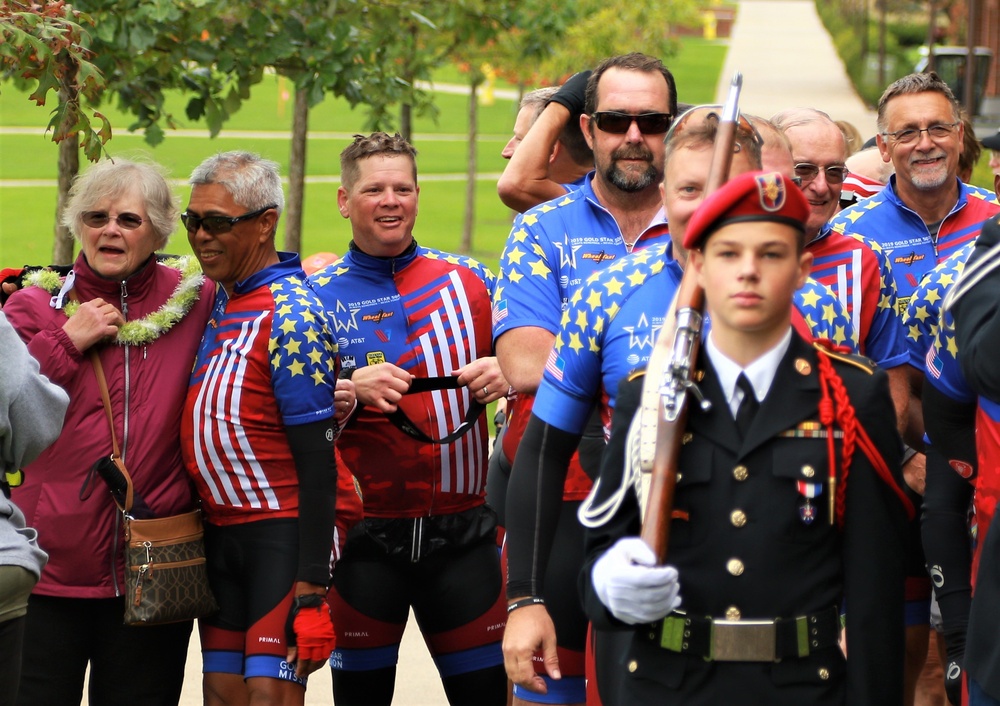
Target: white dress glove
{"type": "Point", "coordinates": [635, 590]}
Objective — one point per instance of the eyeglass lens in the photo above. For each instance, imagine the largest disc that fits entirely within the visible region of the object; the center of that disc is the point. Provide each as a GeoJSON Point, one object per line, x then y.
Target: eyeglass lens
{"type": "Point", "coordinates": [937, 132]}
{"type": "Point", "coordinates": [99, 219]}
{"type": "Point", "coordinates": [807, 172]}
{"type": "Point", "coordinates": [619, 123]}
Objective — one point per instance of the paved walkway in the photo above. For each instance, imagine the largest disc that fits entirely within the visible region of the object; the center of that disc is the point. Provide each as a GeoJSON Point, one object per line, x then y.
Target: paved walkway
{"type": "Point", "coordinates": [788, 60]}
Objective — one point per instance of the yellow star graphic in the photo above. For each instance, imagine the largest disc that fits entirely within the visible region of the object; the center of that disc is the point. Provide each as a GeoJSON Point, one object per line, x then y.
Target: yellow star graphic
{"type": "Point", "coordinates": [318, 377]}
{"type": "Point", "coordinates": [921, 314]}
{"type": "Point", "coordinates": [515, 277]}
{"type": "Point", "coordinates": [287, 326]}
{"type": "Point", "coordinates": [276, 361]}
{"type": "Point", "coordinates": [315, 356]}
{"type": "Point", "coordinates": [594, 300]}
{"type": "Point", "coordinates": [312, 335]}
{"type": "Point", "coordinates": [539, 269]}
{"type": "Point", "coordinates": [952, 346]}
{"type": "Point", "coordinates": [810, 298]}
{"type": "Point", "coordinates": [595, 347]}
{"type": "Point", "coordinates": [280, 298]}
{"type": "Point", "coordinates": [636, 278]}
{"type": "Point", "coordinates": [932, 296]}
{"type": "Point", "coordinates": [914, 332]}
{"type": "Point", "coordinates": [453, 260]}
{"type": "Point", "coordinates": [307, 315]}
{"type": "Point", "coordinates": [341, 270]}
{"type": "Point", "coordinates": [296, 367]}
{"type": "Point", "coordinates": [530, 219]}
{"type": "Point", "coordinates": [284, 310]}
{"type": "Point", "coordinates": [574, 342]}
{"type": "Point", "coordinates": [946, 279]}
{"type": "Point", "coordinates": [545, 208]}
{"type": "Point", "coordinates": [293, 346]}
{"type": "Point", "coordinates": [613, 310]}
{"type": "Point", "coordinates": [829, 316]}
{"type": "Point", "coordinates": [519, 235]}
{"type": "Point", "coordinates": [272, 345]}
{"type": "Point", "coordinates": [581, 319]}
{"type": "Point", "coordinates": [614, 286]}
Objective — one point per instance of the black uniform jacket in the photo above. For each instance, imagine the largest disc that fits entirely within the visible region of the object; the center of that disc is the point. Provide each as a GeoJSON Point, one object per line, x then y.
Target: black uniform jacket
{"type": "Point", "coordinates": [744, 552]}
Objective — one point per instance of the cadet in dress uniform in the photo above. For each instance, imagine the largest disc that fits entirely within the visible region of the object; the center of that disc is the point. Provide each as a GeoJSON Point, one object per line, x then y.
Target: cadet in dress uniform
{"type": "Point", "coordinates": [760, 561]}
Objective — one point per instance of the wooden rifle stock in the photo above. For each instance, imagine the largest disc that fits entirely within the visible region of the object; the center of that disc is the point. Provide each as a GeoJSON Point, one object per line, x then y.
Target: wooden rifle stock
{"type": "Point", "coordinates": [687, 307]}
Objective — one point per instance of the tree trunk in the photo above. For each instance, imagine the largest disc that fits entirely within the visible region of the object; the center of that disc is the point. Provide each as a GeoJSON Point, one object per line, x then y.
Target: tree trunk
{"type": "Point", "coordinates": [406, 122]}
{"type": "Point", "coordinates": [69, 167]}
{"type": "Point", "coordinates": [295, 205]}
{"type": "Point", "coordinates": [470, 184]}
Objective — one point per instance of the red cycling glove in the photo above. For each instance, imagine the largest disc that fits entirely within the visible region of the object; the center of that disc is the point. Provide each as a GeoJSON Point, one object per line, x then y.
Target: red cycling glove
{"type": "Point", "coordinates": [310, 628]}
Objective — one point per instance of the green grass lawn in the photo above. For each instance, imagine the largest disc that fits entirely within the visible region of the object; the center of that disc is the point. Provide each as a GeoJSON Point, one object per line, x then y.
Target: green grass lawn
{"type": "Point", "coordinates": [27, 212]}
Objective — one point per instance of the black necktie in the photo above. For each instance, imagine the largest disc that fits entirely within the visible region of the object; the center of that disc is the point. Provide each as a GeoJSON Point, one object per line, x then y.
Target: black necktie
{"type": "Point", "coordinates": [748, 405]}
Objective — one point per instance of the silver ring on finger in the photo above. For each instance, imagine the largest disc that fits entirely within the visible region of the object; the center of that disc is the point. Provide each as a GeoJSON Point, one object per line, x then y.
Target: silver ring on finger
{"type": "Point", "coordinates": [486, 392]}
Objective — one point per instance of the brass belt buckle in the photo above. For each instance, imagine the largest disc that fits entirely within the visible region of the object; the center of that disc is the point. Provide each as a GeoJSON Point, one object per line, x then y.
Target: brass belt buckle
{"type": "Point", "coordinates": [743, 640]}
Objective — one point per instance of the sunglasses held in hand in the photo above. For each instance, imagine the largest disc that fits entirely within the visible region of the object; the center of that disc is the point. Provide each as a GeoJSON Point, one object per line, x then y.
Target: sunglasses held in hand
{"type": "Point", "coordinates": [215, 225]}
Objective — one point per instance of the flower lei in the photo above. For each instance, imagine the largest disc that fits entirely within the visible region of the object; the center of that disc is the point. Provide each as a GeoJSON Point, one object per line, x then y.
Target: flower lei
{"type": "Point", "coordinates": [142, 331]}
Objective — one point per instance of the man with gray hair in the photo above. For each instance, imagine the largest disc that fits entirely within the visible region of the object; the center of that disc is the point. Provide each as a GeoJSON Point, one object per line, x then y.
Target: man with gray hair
{"type": "Point", "coordinates": [548, 154]}
{"type": "Point", "coordinates": [854, 268]}
{"type": "Point", "coordinates": [257, 438]}
{"type": "Point", "coordinates": [925, 213]}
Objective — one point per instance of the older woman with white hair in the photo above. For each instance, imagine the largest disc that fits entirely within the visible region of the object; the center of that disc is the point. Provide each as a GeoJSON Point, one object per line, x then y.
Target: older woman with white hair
{"type": "Point", "coordinates": [145, 319]}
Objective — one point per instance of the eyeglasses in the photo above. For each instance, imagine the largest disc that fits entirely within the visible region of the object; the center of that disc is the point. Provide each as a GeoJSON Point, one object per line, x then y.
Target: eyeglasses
{"type": "Point", "coordinates": [701, 115]}
{"type": "Point", "coordinates": [806, 172]}
{"type": "Point", "coordinates": [215, 225]}
{"type": "Point", "coordinates": [619, 123]}
{"type": "Point", "coordinates": [99, 219]}
{"type": "Point", "coordinates": [911, 134]}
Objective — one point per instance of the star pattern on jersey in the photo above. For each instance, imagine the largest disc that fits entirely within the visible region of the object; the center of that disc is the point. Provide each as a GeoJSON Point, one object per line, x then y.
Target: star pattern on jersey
{"type": "Point", "coordinates": [923, 312]}
{"type": "Point", "coordinates": [519, 259]}
{"type": "Point", "coordinates": [301, 343]}
{"type": "Point", "coordinates": [593, 306]}
{"type": "Point", "coordinates": [818, 305]}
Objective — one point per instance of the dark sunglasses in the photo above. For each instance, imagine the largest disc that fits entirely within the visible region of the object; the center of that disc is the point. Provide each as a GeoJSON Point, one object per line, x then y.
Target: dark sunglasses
{"type": "Point", "coordinates": [214, 225]}
{"type": "Point", "coordinates": [99, 219]}
{"type": "Point", "coordinates": [619, 123]}
{"type": "Point", "coordinates": [712, 113]}
{"type": "Point", "coordinates": [807, 172]}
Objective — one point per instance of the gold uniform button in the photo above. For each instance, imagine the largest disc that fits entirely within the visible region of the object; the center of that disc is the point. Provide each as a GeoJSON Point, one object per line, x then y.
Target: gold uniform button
{"type": "Point", "coordinates": [808, 471]}
{"type": "Point", "coordinates": [824, 673]}
{"type": "Point", "coordinates": [680, 476]}
{"type": "Point", "coordinates": [741, 473]}
{"type": "Point", "coordinates": [633, 665]}
{"type": "Point", "coordinates": [733, 613]}
{"type": "Point", "coordinates": [686, 438]}
{"type": "Point", "coordinates": [738, 518]}
{"type": "Point", "coordinates": [734, 567]}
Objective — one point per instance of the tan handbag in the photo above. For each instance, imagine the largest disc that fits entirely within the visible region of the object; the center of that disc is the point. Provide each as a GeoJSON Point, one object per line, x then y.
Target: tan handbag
{"type": "Point", "coordinates": [166, 578]}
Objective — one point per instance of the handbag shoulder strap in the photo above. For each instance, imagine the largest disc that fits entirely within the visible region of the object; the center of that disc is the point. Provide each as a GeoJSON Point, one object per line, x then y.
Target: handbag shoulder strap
{"type": "Point", "coordinates": [116, 455]}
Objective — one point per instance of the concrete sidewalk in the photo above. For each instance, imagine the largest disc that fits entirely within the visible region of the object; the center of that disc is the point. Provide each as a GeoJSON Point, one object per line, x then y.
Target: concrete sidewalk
{"type": "Point", "coordinates": [788, 60]}
{"type": "Point", "coordinates": [417, 682]}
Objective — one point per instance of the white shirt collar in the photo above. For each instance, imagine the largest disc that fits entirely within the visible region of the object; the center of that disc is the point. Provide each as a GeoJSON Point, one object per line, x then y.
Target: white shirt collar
{"type": "Point", "coordinates": [760, 373]}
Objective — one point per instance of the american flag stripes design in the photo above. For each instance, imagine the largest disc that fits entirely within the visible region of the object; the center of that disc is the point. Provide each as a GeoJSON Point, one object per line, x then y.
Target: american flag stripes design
{"type": "Point", "coordinates": [267, 361]}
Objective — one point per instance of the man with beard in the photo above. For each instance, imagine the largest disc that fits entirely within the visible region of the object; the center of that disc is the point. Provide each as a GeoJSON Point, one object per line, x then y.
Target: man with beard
{"type": "Point", "coordinates": [925, 213]}
{"type": "Point", "coordinates": [630, 101]}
